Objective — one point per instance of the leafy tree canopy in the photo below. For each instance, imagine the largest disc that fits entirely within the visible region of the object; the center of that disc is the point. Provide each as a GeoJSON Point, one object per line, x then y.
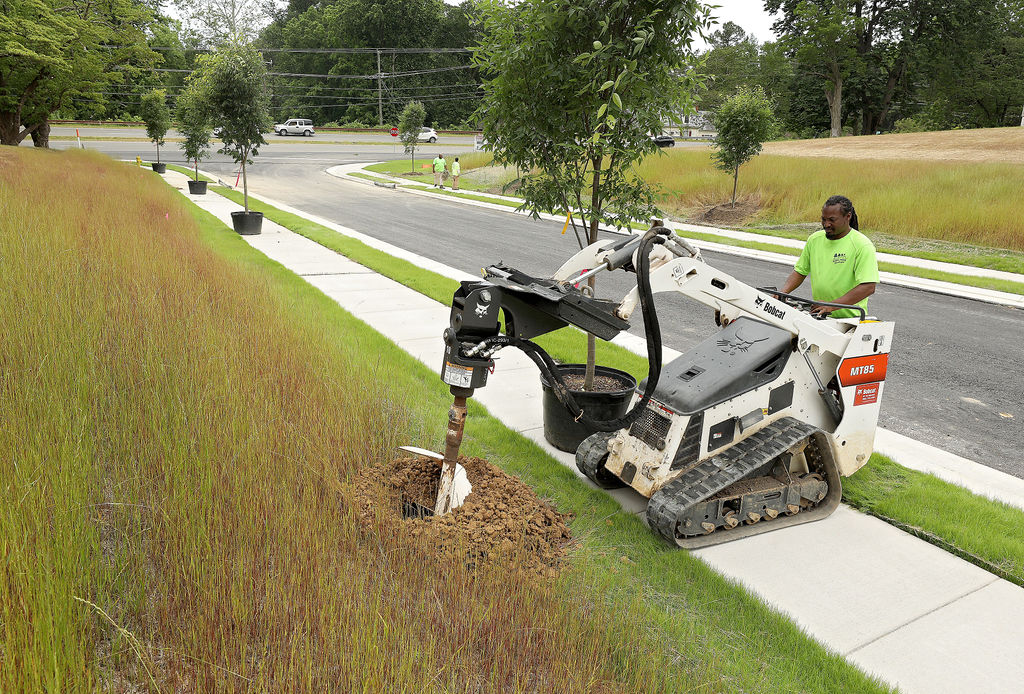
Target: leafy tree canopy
{"type": "Point", "coordinates": [53, 52]}
{"type": "Point", "coordinates": [573, 91]}
{"type": "Point", "coordinates": [744, 122]}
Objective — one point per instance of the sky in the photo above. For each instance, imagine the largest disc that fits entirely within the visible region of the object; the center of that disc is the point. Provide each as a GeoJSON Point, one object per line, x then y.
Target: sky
{"type": "Point", "coordinates": [749, 14]}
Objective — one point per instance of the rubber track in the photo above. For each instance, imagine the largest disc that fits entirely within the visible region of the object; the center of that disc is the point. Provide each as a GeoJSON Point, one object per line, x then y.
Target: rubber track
{"type": "Point", "coordinates": [589, 456]}
{"type": "Point", "coordinates": [745, 459]}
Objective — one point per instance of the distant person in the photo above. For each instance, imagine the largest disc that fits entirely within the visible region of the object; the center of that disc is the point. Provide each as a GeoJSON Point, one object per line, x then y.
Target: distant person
{"type": "Point", "coordinates": [439, 167]}
{"type": "Point", "coordinates": [456, 170]}
{"type": "Point", "coordinates": [839, 260]}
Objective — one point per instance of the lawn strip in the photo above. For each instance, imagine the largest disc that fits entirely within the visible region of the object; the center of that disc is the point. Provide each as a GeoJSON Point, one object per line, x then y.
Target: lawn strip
{"type": "Point", "coordinates": [570, 346]}
{"type": "Point", "coordinates": [987, 533]}
{"type": "Point", "coordinates": [689, 614]}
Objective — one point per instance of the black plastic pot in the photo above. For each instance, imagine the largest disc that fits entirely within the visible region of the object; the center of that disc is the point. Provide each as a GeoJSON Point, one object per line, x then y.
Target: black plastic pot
{"type": "Point", "coordinates": [560, 429]}
{"type": "Point", "coordinates": [159, 168]}
{"type": "Point", "coordinates": [247, 223]}
{"type": "Point", "coordinates": [197, 187]}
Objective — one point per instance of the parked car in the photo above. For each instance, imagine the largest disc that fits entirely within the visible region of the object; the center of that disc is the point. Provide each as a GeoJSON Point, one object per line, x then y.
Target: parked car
{"type": "Point", "coordinates": [664, 140]}
{"type": "Point", "coordinates": [479, 143]}
{"type": "Point", "coordinates": [427, 135]}
{"type": "Point", "coordinates": [295, 126]}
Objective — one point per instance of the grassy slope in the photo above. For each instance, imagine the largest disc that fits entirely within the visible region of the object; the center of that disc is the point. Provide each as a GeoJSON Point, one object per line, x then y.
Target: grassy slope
{"type": "Point", "coordinates": [919, 501]}
{"type": "Point", "coordinates": [176, 452]}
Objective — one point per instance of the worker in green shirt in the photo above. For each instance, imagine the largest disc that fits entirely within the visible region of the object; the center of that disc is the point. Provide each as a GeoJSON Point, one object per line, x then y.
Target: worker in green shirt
{"type": "Point", "coordinates": [839, 260]}
{"type": "Point", "coordinates": [456, 170]}
{"type": "Point", "coordinates": [439, 166]}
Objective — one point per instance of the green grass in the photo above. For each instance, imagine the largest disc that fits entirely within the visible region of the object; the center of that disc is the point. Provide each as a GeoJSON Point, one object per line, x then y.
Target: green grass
{"type": "Point", "coordinates": [368, 177]}
{"type": "Point", "coordinates": [182, 419]}
{"type": "Point", "coordinates": [984, 532]}
{"type": "Point", "coordinates": [570, 346]}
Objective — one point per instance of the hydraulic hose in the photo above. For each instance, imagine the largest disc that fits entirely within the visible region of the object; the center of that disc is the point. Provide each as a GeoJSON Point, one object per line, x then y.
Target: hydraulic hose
{"type": "Point", "coordinates": [652, 332]}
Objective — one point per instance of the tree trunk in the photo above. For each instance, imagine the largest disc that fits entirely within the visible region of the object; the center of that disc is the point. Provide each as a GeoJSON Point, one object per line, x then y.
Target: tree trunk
{"type": "Point", "coordinates": [245, 184]}
{"type": "Point", "coordinates": [41, 135]}
{"type": "Point", "coordinates": [157, 154]}
{"type": "Point", "coordinates": [595, 202]}
{"type": "Point", "coordinates": [735, 179]}
{"type": "Point", "coordinates": [834, 96]}
{"type": "Point", "coordinates": [10, 128]}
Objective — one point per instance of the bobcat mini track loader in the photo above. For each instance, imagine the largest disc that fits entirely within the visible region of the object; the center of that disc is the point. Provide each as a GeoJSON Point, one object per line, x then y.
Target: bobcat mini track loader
{"type": "Point", "coordinates": [747, 432]}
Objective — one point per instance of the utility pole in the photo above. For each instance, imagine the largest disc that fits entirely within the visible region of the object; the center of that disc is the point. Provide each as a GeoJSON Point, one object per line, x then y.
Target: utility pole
{"type": "Point", "coordinates": [380, 106]}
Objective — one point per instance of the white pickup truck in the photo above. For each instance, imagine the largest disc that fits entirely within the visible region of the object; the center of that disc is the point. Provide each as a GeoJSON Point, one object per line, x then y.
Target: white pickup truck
{"type": "Point", "coordinates": [295, 126]}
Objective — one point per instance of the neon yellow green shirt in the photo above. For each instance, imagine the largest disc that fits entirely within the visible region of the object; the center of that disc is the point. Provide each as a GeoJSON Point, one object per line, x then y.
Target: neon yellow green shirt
{"type": "Point", "coordinates": [836, 267]}
{"type": "Point", "coordinates": [438, 164]}
{"type": "Point", "coordinates": [456, 168]}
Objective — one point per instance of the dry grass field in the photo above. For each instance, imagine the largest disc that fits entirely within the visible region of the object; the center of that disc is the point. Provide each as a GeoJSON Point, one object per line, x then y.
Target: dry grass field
{"type": "Point", "coordinates": [982, 145]}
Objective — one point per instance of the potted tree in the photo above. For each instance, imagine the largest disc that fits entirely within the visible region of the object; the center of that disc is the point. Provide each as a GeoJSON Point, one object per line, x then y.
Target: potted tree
{"type": "Point", "coordinates": [194, 123]}
{"type": "Point", "coordinates": [233, 81]}
{"type": "Point", "coordinates": [157, 117]}
{"type": "Point", "coordinates": [615, 71]}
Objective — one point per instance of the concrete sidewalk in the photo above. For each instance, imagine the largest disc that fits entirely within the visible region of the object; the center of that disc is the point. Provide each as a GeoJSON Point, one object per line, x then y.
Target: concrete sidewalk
{"type": "Point", "coordinates": [938, 286]}
{"type": "Point", "coordinates": [895, 606]}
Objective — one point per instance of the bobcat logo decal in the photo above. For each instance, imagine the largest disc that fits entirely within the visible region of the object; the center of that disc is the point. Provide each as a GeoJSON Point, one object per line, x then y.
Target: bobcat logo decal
{"type": "Point", "coordinates": [738, 344]}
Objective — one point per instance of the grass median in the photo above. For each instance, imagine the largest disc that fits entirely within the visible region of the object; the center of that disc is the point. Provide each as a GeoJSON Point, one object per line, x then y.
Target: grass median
{"type": "Point", "coordinates": [915, 501]}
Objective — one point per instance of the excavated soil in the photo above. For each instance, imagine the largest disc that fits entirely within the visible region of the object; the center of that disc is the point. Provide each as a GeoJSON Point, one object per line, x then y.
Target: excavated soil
{"type": "Point", "coordinates": [501, 520]}
{"type": "Point", "coordinates": [727, 214]}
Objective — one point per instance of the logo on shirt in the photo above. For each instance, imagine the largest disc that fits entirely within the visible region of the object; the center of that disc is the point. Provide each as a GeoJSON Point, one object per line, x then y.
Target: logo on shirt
{"type": "Point", "coordinates": [839, 258]}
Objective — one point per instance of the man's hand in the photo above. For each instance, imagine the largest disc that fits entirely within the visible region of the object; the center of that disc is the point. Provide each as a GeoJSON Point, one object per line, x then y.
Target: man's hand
{"type": "Point", "coordinates": [821, 311]}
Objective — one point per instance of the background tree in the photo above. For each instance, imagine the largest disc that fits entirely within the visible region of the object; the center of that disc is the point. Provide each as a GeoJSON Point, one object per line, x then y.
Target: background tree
{"type": "Point", "coordinates": [216, 22]}
{"type": "Point", "coordinates": [194, 124]}
{"type": "Point", "coordinates": [744, 122]}
{"type": "Point", "coordinates": [820, 36]}
{"type": "Point", "coordinates": [233, 81]}
{"type": "Point", "coordinates": [576, 109]}
{"type": "Point", "coordinates": [153, 110]}
{"type": "Point", "coordinates": [731, 62]}
{"type": "Point", "coordinates": [53, 53]}
{"type": "Point", "coordinates": [409, 129]}
{"type": "Point", "coordinates": [426, 59]}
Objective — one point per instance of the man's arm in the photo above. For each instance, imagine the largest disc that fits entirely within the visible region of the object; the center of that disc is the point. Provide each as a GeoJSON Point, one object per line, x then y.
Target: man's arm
{"type": "Point", "coordinates": [794, 280]}
{"type": "Point", "coordinates": [858, 293]}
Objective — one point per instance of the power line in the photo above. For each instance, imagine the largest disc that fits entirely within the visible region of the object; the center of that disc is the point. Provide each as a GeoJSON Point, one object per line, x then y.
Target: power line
{"type": "Point", "coordinates": [386, 75]}
{"type": "Point", "coordinates": [367, 51]}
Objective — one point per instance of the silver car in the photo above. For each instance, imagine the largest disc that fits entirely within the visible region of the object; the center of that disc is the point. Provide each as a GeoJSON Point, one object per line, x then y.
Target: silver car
{"type": "Point", "coordinates": [295, 126]}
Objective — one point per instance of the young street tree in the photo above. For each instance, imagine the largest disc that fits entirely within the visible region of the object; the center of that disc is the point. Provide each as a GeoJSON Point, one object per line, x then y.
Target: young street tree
{"type": "Point", "coordinates": [576, 110]}
{"type": "Point", "coordinates": [52, 52]}
{"type": "Point", "coordinates": [409, 128]}
{"type": "Point", "coordinates": [744, 122]}
{"type": "Point", "coordinates": [153, 110]}
{"type": "Point", "coordinates": [233, 81]}
{"type": "Point", "coordinates": [194, 124]}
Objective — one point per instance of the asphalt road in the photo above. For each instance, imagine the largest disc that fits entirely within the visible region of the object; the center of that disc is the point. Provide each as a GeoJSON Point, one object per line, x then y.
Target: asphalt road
{"type": "Point", "coordinates": [954, 378]}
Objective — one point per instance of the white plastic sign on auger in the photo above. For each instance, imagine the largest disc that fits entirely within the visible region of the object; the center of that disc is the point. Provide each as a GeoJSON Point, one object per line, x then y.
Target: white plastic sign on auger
{"type": "Point", "coordinates": [461, 486]}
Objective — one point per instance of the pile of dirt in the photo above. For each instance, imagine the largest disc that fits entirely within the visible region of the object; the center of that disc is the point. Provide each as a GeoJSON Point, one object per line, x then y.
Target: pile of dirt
{"type": "Point", "coordinates": [727, 214]}
{"type": "Point", "coordinates": [501, 520]}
